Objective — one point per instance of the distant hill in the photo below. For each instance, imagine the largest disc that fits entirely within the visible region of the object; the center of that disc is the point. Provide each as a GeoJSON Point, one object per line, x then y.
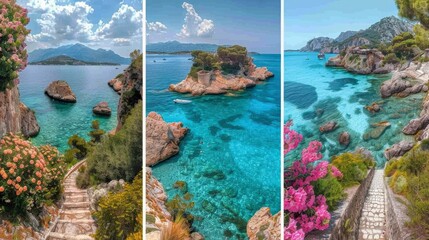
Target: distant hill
{"type": "Point", "coordinates": [78, 52]}
{"type": "Point", "coordinates": [381, 32]}
{"type": "Point", "coordinates": [66, 60]}
{"type": "Point", "coordinates": [178, 47]}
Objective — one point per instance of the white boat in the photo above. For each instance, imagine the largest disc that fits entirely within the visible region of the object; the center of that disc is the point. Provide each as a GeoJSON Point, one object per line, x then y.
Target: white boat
{"type": "Point", "coordinates": [181, 101]}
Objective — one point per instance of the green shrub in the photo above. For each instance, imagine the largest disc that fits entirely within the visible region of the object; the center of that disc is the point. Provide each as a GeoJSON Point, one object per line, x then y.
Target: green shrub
{"type": "Point", "coordinates": [116, 218]}
{"type": "Point", "coordinates": [391, 58]}
{"type": "Point", "coordinates": [353, 166]}
{"type": "Point", "coordinates": [331, 188]}
{"type": "Point", "coordinates": [118, 156]}
{"type": "Point", "coordinates": [96, 133]}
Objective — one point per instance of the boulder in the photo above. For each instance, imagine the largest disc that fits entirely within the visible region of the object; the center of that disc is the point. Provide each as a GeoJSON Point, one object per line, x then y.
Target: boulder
{"type": "Point", "coordinates": [116, 85]}
{"type": "Point", "coordinates": [29, 125]}
{"type": "Point", "coordinates": [398, 149]}
{"type": "Point", "coordinates": [416, 125]}
{"type": "Point", "coordinates": [102, 108]}
{"type": "Point", "coordinates": [344, 138]}
{"type": "Point", "coordinates": [376, 131]}
{"type": "Point", "coordinates": [328, 127]}
{"type": "Point", "coordinates": [263, 225]}
{"type": "Point", "coordinates": [162, 139]}
{"type": "Point", "coordinates": [373, 108]}
{"type": "Point", "coordinates": [61, 91]}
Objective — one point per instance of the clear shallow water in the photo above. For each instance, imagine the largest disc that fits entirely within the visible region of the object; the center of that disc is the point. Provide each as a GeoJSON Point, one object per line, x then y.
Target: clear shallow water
{"type": "Point", "coordinates": [57, 120]}
{"type": "Point", "coordinates": [237, 135]}
{"type": "Point", "coordinates": [311, 89]}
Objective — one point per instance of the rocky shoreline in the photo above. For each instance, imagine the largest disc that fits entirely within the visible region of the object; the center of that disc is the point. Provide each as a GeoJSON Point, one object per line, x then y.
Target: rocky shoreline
{"type": "Point", "coordinates": [214, 82]}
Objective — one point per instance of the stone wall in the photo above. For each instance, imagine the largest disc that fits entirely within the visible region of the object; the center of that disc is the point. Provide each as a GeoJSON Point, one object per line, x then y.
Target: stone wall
{"type": "Point", "coordinates": [347, 227]}
{"type": "Point", "coordinates": [396, 216]}
{"type": "Point", "coordinates": [204, 77]}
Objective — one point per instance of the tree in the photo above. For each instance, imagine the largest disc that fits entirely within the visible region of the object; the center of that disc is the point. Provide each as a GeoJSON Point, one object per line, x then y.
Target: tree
{"type": "Point", "coordinates": [422, 36]}
{"type": "Point", "coordinates": [416, 10]}
{"type": "Point", "coordinates": [404, 45]}
{"type": "Point", "coordinates": [233, 58]}
{"type": "Point", "coordinates": [13, 55]}
{"type": "Point", "coordinates": [96, 132]}
{"type": "Point", "coordinates": [205, 60]}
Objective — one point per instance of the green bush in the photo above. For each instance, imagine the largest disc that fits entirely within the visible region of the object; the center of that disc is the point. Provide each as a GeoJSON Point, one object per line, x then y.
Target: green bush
{"type": "Point", "coordinates": [353, 166]}
{"type": "Point", "coordinates": [96, 133]}
{"type": "Point", "coordinates": [331, 188]}
{"type": "Point", "coordinates": [424, 144]}
{"type": "Point", "coordinates": [116, 218]}
{"type": "Point", "coordinates": [391, 58]}
{"type": "Point", "coordinates": [118, 156]}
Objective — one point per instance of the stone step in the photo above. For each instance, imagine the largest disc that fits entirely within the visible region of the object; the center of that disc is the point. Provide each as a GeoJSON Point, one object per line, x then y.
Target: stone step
{"type": "Point", "coordinates": [74, 205]}
{"type": "Point", "coordinates": [75, 227]}
{"type": "Point", "coordinates": [75, 215]}
{"type": "Point", "coordinates": [62, 236]}
{"type": "Point", "coordinates": [77, 198]}
{"type": "Point", "coordinates": [74, 192]}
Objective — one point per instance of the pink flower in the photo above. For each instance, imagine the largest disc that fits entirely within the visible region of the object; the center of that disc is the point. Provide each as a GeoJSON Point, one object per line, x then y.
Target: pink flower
{"type": "Point", "coordinates": [335, 172]}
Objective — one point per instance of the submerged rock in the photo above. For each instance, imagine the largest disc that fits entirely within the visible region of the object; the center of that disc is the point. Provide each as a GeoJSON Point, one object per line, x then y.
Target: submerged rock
{"type": "Point", "coordinates": [373, 108]}
{"type": "Point", "coordinates": [328, 127]}
{"type": "Point", "coordinates": [61, 91]}
{"type": "Point", "coordinates": [263, 225]}
{"type": "Point", "coordinates": [344, 138]}
{"type": "Point", "coordinates": [398, 149]}
{"type": "Point", "coordinates": [102, 108]}
{"type": "Point", "coordinates": [377, 130]}
{"type": "Point", "coordinates": [162, 139]}
{"type": "Point", "coordinates": [29, 125]}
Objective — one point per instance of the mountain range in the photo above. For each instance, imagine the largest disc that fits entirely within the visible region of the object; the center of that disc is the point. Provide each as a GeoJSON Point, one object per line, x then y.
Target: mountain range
{"type": "Point", "coordinates": [78, 52]}
{"type": "Point", "coordinates": [178, 47]}
{"type": "Point", "coordinates": [381, 32]}
{"type": "Point", "coordinates": [66, 60]}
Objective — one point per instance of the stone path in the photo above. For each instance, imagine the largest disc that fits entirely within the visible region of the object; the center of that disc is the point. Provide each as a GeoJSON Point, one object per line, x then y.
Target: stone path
{"type": "Point", "coordinates": [75, 220]}
{"type": "Point", "coordinates": [373, 219]}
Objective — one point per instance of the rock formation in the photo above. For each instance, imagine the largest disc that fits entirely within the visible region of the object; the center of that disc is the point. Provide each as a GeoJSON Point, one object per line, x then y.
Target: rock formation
{"type": "Point", "coordinates": [361, 61]}
{"type": "Point", "coordinates": [102, 108]}
{"type": "Point", "coordinates": [398, 149]}
{"type": "Point", "coordinates": [373, 108]}
{"type": "Point", "coordinates": [317, 44]}
{"type": "Point", "coordinates": [220, 84]}
{"type": "Point", "coordinates": [116, 84]}
{"type": "Point", "coordinates": [344, 138]}
{"type": "Point", "coordinates": [162, 139]}
{"type": "Point", "coordinates": [29, 125]}
{"type": "Point", "coordinates": [376, 131]}
{"type": "Point", "coordinates": [328, 127]}
{"type": "Point", "coordinates": [15, 117]}
{"type": "Point", "coordinates": [61, 91]}
{"type": "Point", "coordinates": [263, 225]}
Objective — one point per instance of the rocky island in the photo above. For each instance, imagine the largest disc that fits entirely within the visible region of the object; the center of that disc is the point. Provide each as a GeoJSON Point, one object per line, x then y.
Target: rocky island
{"type": "Point", "coordinates": [229, 69]}
{"type": "Point", "coordinates": [61, 91]}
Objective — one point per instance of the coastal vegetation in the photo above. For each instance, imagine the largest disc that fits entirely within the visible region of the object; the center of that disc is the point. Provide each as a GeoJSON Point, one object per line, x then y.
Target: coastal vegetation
{"type": "Point", "coordinates": [66, 60]}
{"type": "Point", "coordinates": [227, 59]}
{"type": "Point", "coordinates": [13, 57]}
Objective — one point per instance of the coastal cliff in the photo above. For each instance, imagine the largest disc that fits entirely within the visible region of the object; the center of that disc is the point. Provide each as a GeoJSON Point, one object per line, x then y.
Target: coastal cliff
{"type": "Point", "coordinates": [15, 117]}
{"type": "Point", "coordinates": [219, 83]}
{"type": "Point", "coordinates": [162, 139]}
{"type": "Point", "coordinates": [361, 61]}
{"type": "Point", "coordinates": [131, 90]}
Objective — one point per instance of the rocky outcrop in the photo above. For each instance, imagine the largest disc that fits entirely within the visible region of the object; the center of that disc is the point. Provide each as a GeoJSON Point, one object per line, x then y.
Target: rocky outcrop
{"type": "Point", "coordinates": [361, 61]}
{"type": "Point", "coordinates": [116, 84]}
{"type": "Point", "coordinates": [97, 192]}
{"type": "Point", "coordinates": [317, 44]}
{"type": "Point", "coordinates": [10, 113]}
{"type": "Point", "coordinates": [328, 127]}
{"type": "Point", "coordinates": [221, 84]}
{"type": "Point", "coordinates": [102, 108]}
{"type": "Point", "coordinates": [398, 149]}
{"type": "Point", "coordinates": [344, 138]}
{"type": "Point", "coordinates": [29, 125]}
{"type": "Point", "coordinates": [131, 91]}
{"type": "Point", "coordinates": [345, 35]}
{"type": "Point", "coordinates": [61, 91]}
{"type": "Point", "coordinates": [263, 225]}
{"type": "Point", "coordinates": [157, 214]}
{"type": "Point", "coordinates": [410, 79]}
{"type": "Point", "coordinates": [162, 139]}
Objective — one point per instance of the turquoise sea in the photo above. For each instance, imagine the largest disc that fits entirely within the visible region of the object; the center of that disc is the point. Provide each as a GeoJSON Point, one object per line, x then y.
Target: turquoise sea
{"type": "Point", "coordinates": [57, 120]}
{"type": "Point", "coordinates": [315, 94]}
{"type": "Point", "coordinates": [230, 160]}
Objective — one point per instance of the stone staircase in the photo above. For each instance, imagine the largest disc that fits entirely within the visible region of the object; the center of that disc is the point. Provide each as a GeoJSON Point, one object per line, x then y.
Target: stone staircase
{"type": "Point", "coordinates": [75, 221]}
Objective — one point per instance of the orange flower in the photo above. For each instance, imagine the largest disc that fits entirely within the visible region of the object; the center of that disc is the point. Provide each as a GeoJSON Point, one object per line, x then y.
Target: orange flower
{"type": "Point", "coordinates": [18, 179]}
{"type": "Point", "coordinates": [1, 189]}
{"type": "Point", "coordinates": [21, 166]}
{"type": "Point", "coordinates": [11, 171]}
{"type": "Point", "coordinates": [15, 159]}
{"type": "Point", "coordinates": [24, 188]}
{"type": "Point", "coordinates": [31, 162]}
{"type": "Point", "coordinates": [39, 182]}
{"type": "Point", "coordinates": [9, 182]}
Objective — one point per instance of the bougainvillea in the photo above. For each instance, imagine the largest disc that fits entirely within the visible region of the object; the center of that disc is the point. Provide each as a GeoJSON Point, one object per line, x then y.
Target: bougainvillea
{"type": "Point", "coordinates": [27, 174]}
{"type": "Point", "coordinates": [304, 211]}
{"type": "Point", "coordinates": [13, 55]}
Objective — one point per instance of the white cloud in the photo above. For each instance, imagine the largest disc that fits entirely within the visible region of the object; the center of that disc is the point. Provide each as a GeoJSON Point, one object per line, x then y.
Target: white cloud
{"type": "Point", "coordinates": [125, 23]}
{"type": "Point", "coordinates": [121, 42]}
{"type": "Point", "coordinates": [194, 25]}
{"type": "Point", "coordinates": [156, 27]}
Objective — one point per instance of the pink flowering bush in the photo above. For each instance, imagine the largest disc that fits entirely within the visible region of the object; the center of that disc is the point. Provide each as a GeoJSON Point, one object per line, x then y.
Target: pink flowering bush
{"type": "Point", "coordinates": [304, 210]}
{"type": "Point", "coordinates": [27, 175]}
{"type": "Point", "coordinates": [13, 55]}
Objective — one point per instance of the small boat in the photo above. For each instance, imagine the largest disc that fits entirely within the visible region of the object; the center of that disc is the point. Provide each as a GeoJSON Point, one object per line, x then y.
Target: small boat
{"type": "Point", "coordinates": [164, 59]}
{"type": "Point", "coordinates": [321, 56]}
{"type": "Point", "coordinates": [181, 101]}
{"type": "Point", "coordinates": [189, 58]}
{"type": "Point", "coordinates": [154, 60]}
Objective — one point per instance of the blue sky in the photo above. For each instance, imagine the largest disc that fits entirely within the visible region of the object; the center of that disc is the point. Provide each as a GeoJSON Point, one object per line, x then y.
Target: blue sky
{"type": "Point", "coordinates": [306, 19]}
{"type": "Point", "coordinates": [251, 23]}
{"type": "Point", "coordinates": [108, 24]}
